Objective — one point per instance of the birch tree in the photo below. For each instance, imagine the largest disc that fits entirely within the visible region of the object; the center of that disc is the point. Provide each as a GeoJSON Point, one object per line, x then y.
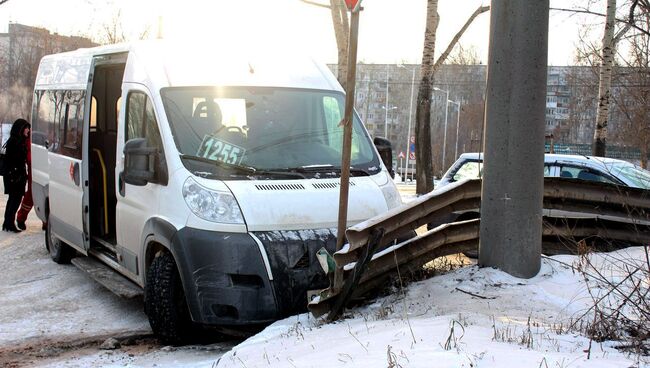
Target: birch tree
{"type": "Point", "coordinates": [423, 153]}
{"type": "Point", "coordinates": [605, 82]}
{"type": "Point", "coordinates": [424, 167]}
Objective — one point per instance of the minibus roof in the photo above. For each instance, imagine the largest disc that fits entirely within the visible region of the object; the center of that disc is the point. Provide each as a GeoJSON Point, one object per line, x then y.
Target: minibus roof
{"type": "Point", "coordinates": [159, 64]}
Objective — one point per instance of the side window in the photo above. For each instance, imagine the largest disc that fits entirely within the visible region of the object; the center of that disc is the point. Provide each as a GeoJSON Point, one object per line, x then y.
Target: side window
{"type": "Point", "coordinates": [141, 120]}
{"type": "Point", "coordinates": [43, 119]}
{"type": "Point", "coordinates": [135, 116]}
{"type": "Point", "coordinates": [547, 171]}
{"type": "Point", "coordinates": [584, 173]}
{"type": "Point", "coordinates": [58, 121]}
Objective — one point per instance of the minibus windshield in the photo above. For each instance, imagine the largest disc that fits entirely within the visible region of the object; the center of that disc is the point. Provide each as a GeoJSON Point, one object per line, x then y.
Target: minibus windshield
{"type": "Point", "coordinates": [266, 129]}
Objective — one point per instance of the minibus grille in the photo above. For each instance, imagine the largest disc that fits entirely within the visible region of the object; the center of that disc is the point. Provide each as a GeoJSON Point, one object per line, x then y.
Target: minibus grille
{"type": "Point", "coordinates": [279, 187]}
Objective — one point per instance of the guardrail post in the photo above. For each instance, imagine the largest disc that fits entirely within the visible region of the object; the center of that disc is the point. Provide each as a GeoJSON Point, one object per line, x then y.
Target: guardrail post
{"type": "Point", "coordinates": [512, 193]}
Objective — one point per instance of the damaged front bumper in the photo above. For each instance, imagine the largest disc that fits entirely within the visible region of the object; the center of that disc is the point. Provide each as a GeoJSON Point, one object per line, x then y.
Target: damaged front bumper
{"type": "Point", "coordinates": [234, 279]}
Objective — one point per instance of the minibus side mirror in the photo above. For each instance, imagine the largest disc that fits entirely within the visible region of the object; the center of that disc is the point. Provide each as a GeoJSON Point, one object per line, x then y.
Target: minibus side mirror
{"type": "Point", "coordinates": [385, 150]}
{"type": "Point", "coordinates": [139, 162]}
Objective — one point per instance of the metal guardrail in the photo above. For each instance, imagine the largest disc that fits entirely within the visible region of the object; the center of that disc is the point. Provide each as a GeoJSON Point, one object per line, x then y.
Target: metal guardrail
{"type": "Point", "coordinates": [600, 215]}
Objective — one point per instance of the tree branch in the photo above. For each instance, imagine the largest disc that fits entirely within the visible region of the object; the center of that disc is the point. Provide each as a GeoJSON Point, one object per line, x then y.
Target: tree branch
{"type": "Point", "coordinates": [459, 34]}
{"type": "Point", "coordinates": [304, 1]}
{"type": "Point", "coordinates": [646, 32]}
{"type": "Point", "coordinates": [629, 23]}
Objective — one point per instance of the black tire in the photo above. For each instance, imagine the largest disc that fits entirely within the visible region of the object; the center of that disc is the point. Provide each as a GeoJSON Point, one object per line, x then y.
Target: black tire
{"type": "Point", "coordinates": [164, 302]}
{"type": "Point", "coordinates": [60, 252]}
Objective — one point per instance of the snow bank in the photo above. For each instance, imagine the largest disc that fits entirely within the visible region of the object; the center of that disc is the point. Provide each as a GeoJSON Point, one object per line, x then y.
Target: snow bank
{"type": "Point", "coordinates": [467, 318]}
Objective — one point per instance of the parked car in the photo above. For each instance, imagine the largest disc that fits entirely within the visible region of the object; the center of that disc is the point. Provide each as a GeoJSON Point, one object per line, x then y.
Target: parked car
{"type": "Point", "coordinates": [604, 170]}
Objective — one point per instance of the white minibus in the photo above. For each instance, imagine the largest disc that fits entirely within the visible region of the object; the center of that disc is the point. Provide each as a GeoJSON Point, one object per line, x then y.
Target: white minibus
{"type": "Point", "coordinates": [207, 177]}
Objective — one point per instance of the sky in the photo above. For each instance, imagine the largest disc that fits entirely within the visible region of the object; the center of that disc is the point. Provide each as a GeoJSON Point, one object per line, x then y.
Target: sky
{"type": "Point", "coordinates": [390, 31]}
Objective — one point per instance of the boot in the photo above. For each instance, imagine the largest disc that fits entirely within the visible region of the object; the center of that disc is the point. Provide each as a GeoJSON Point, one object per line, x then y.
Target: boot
{"type": "Point", "coordinates": [10, 228]}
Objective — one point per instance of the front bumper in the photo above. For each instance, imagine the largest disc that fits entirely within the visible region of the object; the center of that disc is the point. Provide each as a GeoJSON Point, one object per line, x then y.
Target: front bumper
{"type": "Point", "coordinates": [227, 283]}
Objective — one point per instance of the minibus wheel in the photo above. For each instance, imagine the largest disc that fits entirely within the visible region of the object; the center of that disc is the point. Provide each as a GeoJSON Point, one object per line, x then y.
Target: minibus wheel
{"type": "Point", "coordinates": [164, 301]}
{"type": "Point", "coordinates": [59, 251]}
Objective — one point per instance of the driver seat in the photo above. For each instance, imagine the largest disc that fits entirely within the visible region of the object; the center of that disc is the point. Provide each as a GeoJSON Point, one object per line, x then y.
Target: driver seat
{"type": "Point", "coordinates": [207, 116]}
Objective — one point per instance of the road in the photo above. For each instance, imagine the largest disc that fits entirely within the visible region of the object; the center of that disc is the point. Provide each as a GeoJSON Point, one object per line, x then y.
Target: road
{"type": "Point", "coordinates": [54, 315]}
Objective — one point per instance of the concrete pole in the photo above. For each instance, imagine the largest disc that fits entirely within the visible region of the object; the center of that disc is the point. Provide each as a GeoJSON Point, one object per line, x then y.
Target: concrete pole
{"type": "Point", "coordinates": [512, 193]}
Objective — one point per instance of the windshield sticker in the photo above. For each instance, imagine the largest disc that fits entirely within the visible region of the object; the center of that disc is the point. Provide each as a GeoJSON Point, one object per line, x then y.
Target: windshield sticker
{"type": "Point", "coordinates": [216, 149]}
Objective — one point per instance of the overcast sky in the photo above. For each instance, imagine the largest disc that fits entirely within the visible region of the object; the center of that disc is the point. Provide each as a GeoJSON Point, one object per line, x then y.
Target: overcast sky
{"type": "Point", "coordinates": [390, 31]}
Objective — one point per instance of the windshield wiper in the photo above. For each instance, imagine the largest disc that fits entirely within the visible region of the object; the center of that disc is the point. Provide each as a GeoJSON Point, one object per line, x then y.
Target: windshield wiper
{"type": "Point", "coordinates": [242, 168]}
{"type": "Point", "coordinates": [324, 168]}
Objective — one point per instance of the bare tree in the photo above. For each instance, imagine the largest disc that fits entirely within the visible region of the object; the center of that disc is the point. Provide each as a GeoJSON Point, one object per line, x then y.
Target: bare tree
{"type": "Point", "coordinates": [607, 59]}
{"type": "Point", "coordinates": [632, 100]}
{"type": "Point", "coordinates": [605, 81]}
{"type": "Point", "coordinates": [341, 26]}
{"type": "Point", "coordinates": [424, 168]}
{"type": "Point", "coordinates": [3, 1]}
{"type": "Point", "coordinates": [623, 80]}
{"type": "Point", "coordinates": [23, 55]}
{"type": "Point", "coordinates": [113, 30]}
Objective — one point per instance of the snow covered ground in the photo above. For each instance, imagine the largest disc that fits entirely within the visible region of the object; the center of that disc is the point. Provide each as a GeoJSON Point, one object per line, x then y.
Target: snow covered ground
{"type": "Point", "coordinates": [508, 322]}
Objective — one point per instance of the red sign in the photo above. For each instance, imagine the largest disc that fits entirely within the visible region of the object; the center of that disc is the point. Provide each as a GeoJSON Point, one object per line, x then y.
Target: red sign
{"type": "Point", "coordinates": [351, 4]}
{"type": "Point", "coordinates": [411, 155]}
{"type": "Point", "coordinates": [401, 155]}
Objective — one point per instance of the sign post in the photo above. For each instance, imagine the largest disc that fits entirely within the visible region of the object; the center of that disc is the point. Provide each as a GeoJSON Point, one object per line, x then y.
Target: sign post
{"type": "Point", "coordinates": [354, 6]}
{"type": "Point", "coordinates": [411, 155]}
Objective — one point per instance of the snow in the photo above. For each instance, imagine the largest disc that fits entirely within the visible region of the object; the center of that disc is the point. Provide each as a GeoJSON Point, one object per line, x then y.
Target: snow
{"type": "Point", "coordinates": [514, 322]}
{"type": "Point", "coordinates": [45, 308]}
{"type": "Point", "coordinates": [497, 321]}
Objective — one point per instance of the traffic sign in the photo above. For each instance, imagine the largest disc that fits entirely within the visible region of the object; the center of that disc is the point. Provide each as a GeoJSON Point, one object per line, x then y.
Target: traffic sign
{"type": "Point", "coordinates": [412, 147]}
{"type": "Point", "coordinates": [411, 155]}
{"type": "Point", "coordinates": [351, 4]}
{"type": "Point", "coordinates": [412, 139]}
{"type": "Point", "coordinates": [401, 155]}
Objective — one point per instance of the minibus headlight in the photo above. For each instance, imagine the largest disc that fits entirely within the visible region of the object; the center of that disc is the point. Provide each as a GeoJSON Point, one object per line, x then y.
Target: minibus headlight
{"type": "Point", "coordinates": [211, 205]}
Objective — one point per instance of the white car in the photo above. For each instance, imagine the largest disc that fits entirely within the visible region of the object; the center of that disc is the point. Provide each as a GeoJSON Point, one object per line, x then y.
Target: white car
{"type": "Point", "coordinates": [600, 169]}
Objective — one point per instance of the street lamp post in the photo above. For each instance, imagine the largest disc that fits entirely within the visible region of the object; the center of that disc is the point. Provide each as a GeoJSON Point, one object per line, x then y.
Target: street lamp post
{"type": "Point", "coordinates": [457, 124]}
{"type": "Point", "coordinates": [408, 131]}
{"type": "Point", "coordinates": [444, 141]}
{"type": "Point", "coordinates": [386, 105]}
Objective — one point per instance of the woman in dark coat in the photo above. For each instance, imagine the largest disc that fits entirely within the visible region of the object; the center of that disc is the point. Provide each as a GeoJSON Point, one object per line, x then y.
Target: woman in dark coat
{"type": "Point", "coordinates": [15, 166]}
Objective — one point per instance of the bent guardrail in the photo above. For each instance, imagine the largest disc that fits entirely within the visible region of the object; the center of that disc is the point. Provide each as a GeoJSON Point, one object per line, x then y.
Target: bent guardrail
{"type": "Point", "coordinates": [605, 216]}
